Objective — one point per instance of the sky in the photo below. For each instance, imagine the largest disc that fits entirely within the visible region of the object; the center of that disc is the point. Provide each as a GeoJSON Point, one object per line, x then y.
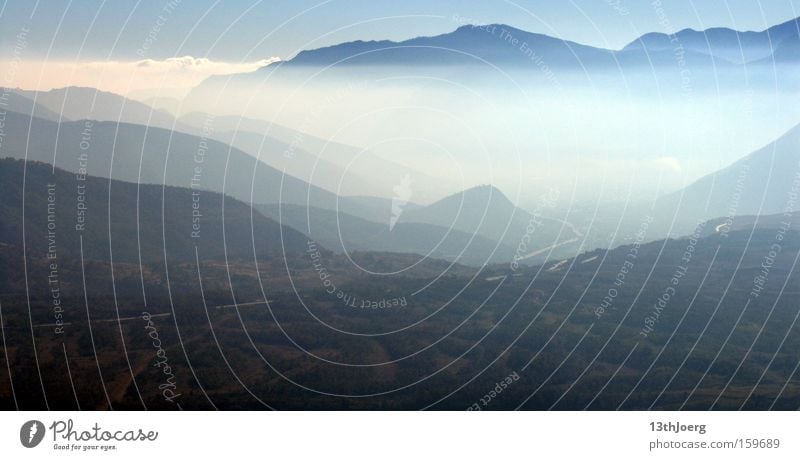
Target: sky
{"type": "Point", "coordinates": [81, 41]}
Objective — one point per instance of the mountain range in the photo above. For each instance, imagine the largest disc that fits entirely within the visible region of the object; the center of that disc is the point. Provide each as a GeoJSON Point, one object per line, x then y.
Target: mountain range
{"type": "Point", "coordinates": [129, 222]}
{"type": "Point", "coordinates": [315, 181]}
{"type": "Point", "coordinates": [761, 183]}
{"type": "Point", "coordinates": [137, 153]}
{"type": "Point", "coordinates": [506, 46]}
{"type": "Point", "coordinates": [779, 41]}
{"type": "Point", "coordinates": [282, 269]}
{"type": "Point", "coordinates": [330, 165]}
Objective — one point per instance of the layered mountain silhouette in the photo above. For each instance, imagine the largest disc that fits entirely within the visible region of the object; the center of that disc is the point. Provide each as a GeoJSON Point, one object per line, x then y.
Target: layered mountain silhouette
{"type": "Point", "coordinates": [137, 153]}
{"type": "Point", "coordinates": [80, 103]}
{"type": "Point", "coordinates": [336, 167]}
{"type": "Point", "coordinates": [248, 242]}
{"type": "Point", "coordinates": [333, 166]}
{"type": "Point", "coordinates": [758, 184]}
{"type": "Point", "coordinates": [149, 155]}
{"type": "Point", "coordinates": [95, 218]}
{"type": "Point", "coordinates": [16, 102]}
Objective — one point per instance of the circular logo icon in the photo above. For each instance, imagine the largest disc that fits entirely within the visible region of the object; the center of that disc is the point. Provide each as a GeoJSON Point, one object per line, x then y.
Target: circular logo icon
{"type": "Point", "coordinates": [31, 433]}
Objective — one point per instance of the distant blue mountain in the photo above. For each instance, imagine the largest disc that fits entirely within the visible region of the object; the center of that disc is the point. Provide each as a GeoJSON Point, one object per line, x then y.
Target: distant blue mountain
{"type": "Point", "coordinates": [787, 52]}
{"type": "Point", "coordinates": [493, 44]}
{"type": "Point", "coordinates": [728, 44]}
{"type": "Point", "coordinates": [511, 48]}
{"type": "Point", "coordinates": [487, 48]}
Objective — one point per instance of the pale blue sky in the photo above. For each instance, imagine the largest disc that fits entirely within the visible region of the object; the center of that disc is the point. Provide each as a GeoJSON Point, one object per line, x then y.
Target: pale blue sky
{"type": "Point", "coordinates": [281, 27]}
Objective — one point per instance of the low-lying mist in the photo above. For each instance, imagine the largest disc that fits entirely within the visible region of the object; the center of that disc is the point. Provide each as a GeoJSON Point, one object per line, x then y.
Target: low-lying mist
{"type": "Point", "coordinates": [611, 134]}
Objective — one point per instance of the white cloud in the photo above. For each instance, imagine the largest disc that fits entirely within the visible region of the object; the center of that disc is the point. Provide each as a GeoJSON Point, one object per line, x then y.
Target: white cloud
{"type": "Point", "coordinates": [201, 65]}
{"type": "Point", "coordinates": [175, 75]}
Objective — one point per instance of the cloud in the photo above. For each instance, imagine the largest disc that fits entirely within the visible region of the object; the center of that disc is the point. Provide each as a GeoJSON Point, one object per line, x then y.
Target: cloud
{"type": "Point", "coordinates": [202, 65]}
{"type": "Point", "coordinates": [177, 74]}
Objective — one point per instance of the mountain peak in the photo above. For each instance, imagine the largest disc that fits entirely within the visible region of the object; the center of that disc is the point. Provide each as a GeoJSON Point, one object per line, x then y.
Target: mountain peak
{"type": "Point", "coordinates": [468, 44]}
{"type": "Point", "coordinates": [488, 189]}
{"type": "Point", "coordinates": [483, 194]}
{"type": "Point", "coordinates": [484, 28]}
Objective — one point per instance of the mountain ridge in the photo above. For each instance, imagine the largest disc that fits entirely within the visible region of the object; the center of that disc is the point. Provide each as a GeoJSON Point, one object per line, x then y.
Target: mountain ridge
{"type": "Point", "coordinates": [760, 183]}
{"type": "Point", "coordinates": [722, 42]}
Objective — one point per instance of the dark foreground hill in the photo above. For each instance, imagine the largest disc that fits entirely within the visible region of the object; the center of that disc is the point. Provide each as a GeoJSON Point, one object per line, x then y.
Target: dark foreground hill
{"type": "Point", "coordinates": [694, 323]}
